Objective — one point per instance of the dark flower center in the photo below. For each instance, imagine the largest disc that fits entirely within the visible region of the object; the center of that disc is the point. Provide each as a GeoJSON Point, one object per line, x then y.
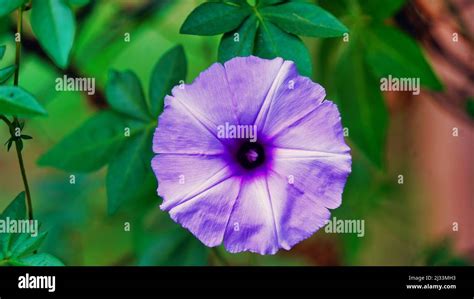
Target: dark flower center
{"type": "Point", "coordinates": [250, 155]}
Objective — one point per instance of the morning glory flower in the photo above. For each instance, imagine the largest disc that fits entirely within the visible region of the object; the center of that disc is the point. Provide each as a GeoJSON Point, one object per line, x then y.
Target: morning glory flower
{"type": "Point", "coordinates": [250, 155]}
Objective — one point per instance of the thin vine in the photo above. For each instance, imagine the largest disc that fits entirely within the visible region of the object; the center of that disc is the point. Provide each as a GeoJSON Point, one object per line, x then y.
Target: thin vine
{"type": "Point", "coordinates": [16, 126]}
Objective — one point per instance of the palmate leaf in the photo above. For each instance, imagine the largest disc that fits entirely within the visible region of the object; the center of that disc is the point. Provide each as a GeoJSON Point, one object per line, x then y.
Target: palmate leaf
{"type": "Point", "coordinates": [268, 29]}
{"type": "Point", "coordinates": [8, 6]}
{"type": "Point", "coordinates": [273, 42]}
{"type": "Point", "coordinates": [54, 25]}
{"type": "Point", "coordinates": [304, 19]}
{"type": "Point", "coordinates": [19, 249]}
{"type": "Point", "coordinates": [16, 101]}
{"type": "Point", "coordinates": [213, 18]}
{"type": "Point", "coordinates": [240, 42]}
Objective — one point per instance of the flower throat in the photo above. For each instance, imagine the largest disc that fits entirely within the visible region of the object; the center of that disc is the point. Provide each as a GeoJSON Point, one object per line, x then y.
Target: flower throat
{"type": "Point", "coordinates": [250, 155]}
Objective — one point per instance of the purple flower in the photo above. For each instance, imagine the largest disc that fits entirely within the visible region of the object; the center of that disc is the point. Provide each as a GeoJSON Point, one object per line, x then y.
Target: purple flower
{"type": "Point", "coordinates": [251, 155]}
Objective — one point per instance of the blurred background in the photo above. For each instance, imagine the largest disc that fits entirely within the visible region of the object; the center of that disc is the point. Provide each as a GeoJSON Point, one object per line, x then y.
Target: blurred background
{"type": "Point", "coordinates": [426, 220]}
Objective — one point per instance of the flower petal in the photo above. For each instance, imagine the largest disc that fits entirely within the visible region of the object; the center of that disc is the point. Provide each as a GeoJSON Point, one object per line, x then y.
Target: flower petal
{"type": "Point", "coordinates": [206, 214]}
{"type": "Point", "coordinates": [321, 178]}
{"type": "Point", "coordinates": [182, 177]}
{"type": "Point", "coordinates": [290, 98]}
{"type": "Point", "coordinates": [209, 98]}
{"type": "Point", "coordinates": [297, 215]}
{"type": "Point", "coordinates": [179, 132]}
{"type": "Point", "coordinates": [250, 79]}
{"type": "Point", "coordinates": [251, 225]}
{"type": "Point", "coordinates": [270, 214]}
{"type": "Point", "coordinates": [319, 131]}
{"type": "Point", "coordinates": [314, 154]}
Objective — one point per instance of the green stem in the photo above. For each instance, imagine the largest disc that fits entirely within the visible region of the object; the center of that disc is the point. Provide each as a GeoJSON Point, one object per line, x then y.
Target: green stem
{"type": "Point", "coordinates": [19, 27]}
{"type": "Point", "coordinates": [5, 119]}
{"type": "Point", "coordinates": [15, 119]}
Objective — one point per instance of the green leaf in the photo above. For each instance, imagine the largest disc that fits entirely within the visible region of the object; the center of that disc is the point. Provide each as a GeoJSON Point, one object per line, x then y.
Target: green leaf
{"type": "Point", "coordinates": [341, 8]}
{"type": "Point", "coordinates": [18, 249]}
{"type": "Point", "coordinates": [232, 2]}
{"type": "Point", "coordinates": [7, 6]}
{"type": "Point", "coordinates": [90, 146]}
{"type": "Point", "coordinates": [26, 244]}
{"type": "Point", "coordinates": [443, 254]}
{"type": "Point", "coordinates": [304, 19]}
{"type": "Point", "coordinates": [18, 244]}
{"type": "Point", "coordinates": [381, 12]}
{"type": "Point", "coordinates": [391, 52]}
{"type": "Point", "coordinates": [361, 104]}
{"type": "Point", "coordinates": [469, 106]}
{"type": "Point", "coordinates": [169, 245]}
{"type": "Point", "coordinates": [268, 2]}
{"type": "Point", "coordinates": [20, 144]}
{"type": "Point", "coordinates": [54, 25]}
{"type": "Point", "coordinates": [6, 73]}
{"type": "Point", "coordinates": [39, 260]}
{"type": "Point", "coordinates": [240, 42]}
{"type": "Point", "coordinates": [213, 18]}
{"type": "Point", "coordinates": [2, 50]}
{"type": "Point", "coordinates": [168, 71]}
{"type": "Point", "coordinates": [273, 42]}
{"type": "Point", "coordinates": [125, 94]}
{"type": "Point", "coordinates": [78, 2]}
{"type": "Point", "coordinates": [16, 101]}
{"type": "Point", "coordinates": [16, 210]}
{"type": "Point", "coordinates": [9, 143]}
{"type": "Point", "coordinates": [129, 171]}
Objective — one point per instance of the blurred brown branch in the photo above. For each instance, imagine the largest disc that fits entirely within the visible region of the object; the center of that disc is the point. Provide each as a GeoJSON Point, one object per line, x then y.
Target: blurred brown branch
{"type": "Point", "coordinates": [446, 30]}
